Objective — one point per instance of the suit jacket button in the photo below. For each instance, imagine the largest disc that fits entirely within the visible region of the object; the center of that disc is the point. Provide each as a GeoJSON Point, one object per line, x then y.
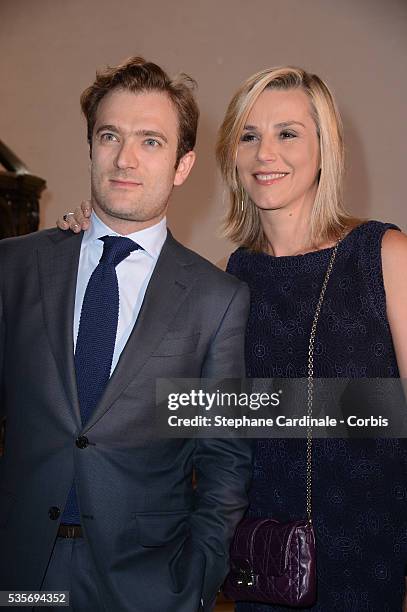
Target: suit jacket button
{"type": "Point", "coordinates": [54, 513]}
{"type": "Point", "coordinates": [82, 442]}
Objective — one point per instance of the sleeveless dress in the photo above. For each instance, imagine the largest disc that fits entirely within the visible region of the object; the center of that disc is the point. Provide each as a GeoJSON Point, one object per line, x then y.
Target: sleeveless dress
{"type": "Point", "coordinates": [359, 486]}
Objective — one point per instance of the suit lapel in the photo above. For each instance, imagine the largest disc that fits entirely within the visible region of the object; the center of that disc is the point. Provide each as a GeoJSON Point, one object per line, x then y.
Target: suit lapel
{"type": "Point", "coordinates": [58, 267]}
{"type": "Point", "coordinates": [168, 287]}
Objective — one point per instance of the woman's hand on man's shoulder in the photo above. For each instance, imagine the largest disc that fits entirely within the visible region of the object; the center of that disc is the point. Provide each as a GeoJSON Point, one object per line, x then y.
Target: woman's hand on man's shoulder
{"type": "Point", "coordinates": [77, 220]}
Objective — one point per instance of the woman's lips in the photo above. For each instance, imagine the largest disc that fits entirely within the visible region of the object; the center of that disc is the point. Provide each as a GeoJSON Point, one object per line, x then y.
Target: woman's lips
{"type": "Point", "coordinates": [270, 178]}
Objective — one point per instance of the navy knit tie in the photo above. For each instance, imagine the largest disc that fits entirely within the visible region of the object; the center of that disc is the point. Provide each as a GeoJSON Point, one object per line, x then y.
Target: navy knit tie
{"type": "Point", "coordinates": [98, 324]}
{"type": "Point", "coordinates": [96, 338]}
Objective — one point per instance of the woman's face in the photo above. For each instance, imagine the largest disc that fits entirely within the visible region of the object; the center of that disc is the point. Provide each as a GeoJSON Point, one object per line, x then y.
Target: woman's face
{"type": "Point", "coordinates": [278, 155]}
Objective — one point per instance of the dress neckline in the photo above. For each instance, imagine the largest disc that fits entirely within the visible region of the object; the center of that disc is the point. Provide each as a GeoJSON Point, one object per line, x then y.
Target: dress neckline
{"type": "Point", "coordinates": [318, 254]}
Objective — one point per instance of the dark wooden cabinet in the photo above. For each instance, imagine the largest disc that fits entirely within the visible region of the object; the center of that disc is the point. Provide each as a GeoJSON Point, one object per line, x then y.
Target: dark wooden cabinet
{"type": "Point", "coordinates": [20, 192]}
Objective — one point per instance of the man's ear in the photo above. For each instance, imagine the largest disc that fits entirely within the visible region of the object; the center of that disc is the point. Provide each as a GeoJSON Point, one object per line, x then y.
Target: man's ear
{"type": "Point", "coordinates": [184, 167]}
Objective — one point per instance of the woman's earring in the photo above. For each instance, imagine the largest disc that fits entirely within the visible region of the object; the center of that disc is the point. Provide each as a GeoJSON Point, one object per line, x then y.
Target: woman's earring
{"type": "Point", "coordinates": [242, 205]}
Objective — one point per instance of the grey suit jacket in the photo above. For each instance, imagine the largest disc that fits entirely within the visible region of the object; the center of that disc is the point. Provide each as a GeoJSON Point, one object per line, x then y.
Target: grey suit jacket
{"type": "Point", "coordinates": [157, 543]}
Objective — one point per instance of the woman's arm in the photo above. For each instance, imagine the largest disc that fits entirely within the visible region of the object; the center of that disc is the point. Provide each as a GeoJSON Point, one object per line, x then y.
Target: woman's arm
{"type": "Point", "coordinates": [394, 262]}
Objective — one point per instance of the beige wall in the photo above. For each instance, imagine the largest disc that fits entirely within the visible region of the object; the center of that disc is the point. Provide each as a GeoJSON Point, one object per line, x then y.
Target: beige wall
{"type": "Point", "coordinates": [49, 50]}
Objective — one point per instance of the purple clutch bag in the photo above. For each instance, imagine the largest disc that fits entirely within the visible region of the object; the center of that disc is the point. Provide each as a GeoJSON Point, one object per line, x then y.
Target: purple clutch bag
{"type": "Point", "coordinates": [273, 562]}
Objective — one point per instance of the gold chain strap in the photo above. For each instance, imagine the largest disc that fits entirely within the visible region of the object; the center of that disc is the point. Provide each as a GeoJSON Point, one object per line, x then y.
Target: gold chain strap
{"type": "Point", "coordinates": [310, 387]}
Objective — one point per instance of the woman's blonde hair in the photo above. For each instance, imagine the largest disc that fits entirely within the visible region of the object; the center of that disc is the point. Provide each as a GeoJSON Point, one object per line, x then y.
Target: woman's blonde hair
{"type": "Point", "coordinates": [328, 218]}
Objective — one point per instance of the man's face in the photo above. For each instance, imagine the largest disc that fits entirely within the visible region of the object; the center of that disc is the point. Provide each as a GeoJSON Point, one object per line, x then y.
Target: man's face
{"type": "Point", "coordinates": [134, 151]}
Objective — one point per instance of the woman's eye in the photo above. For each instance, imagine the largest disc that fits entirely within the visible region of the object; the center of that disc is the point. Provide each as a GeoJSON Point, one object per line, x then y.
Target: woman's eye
{"type": "Point", "coordinates": [286, 134]}
{"type": "Point", "coordinates": [248, 137]}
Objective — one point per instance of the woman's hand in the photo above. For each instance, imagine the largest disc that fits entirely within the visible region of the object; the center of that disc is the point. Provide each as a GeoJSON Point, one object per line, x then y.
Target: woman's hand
{"type": "Point", "coordinates": [77, 220]}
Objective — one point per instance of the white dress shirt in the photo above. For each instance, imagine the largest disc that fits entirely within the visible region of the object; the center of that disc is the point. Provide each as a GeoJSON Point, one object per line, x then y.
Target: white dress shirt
{"type": "Point", "coordinates": [133, 274]}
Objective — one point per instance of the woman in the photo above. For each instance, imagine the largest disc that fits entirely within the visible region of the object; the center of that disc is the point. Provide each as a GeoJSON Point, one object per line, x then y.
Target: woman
{"type": "Point", "coordinates": [280, 151]}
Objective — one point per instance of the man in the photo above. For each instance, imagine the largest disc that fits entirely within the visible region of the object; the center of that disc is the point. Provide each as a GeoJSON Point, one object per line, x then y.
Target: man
{"type": "Point", "coordinates": [90, 501]}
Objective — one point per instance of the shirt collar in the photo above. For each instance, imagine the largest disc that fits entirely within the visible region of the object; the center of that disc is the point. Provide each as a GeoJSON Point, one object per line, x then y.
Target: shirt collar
{"type": "Point", "coordinates": [150, 239]}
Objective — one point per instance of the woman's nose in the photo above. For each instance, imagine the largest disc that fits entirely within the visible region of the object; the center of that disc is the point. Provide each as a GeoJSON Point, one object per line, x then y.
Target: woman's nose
{"type": "Point", "coordinates": [267, 150]}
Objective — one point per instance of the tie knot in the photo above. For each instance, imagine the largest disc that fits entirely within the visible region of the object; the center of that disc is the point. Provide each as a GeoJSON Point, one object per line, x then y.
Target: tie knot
{"type": "Point", "coordinates": [117, 248]}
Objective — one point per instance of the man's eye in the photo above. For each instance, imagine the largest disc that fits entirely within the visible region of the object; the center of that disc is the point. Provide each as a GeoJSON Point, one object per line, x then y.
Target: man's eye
{"type": "Point", "coordinates": [287, 134]}
{"type": "Point", "coordinates": [152, 142]}
{"type": "Point", "coordinates": [248, 137]}
{"type": "Point", "coordinates": [107, 137]}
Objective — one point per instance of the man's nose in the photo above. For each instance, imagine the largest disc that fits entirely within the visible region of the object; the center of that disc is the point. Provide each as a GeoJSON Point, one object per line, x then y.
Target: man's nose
{"type": "Point", "coordinates": [127, 156]}
{"type": "Point", "coordinates": [267, 149]}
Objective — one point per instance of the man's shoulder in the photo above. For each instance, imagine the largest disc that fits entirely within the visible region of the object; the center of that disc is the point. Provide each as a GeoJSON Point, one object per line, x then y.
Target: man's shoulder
{"type": "Point", "coordinates": [203, 268]}
{"type": "Point", "coordinates": [22, 244]}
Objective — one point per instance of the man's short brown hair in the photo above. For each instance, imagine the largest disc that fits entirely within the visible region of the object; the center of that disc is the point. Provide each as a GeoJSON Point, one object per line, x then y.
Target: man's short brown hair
{"type": "Point", "coordinates": [138, 76]}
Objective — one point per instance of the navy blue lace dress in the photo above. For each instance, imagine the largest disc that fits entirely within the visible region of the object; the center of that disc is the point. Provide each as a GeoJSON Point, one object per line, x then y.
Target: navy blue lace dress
{"type": "Point", "coordinates": [360, 486]}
